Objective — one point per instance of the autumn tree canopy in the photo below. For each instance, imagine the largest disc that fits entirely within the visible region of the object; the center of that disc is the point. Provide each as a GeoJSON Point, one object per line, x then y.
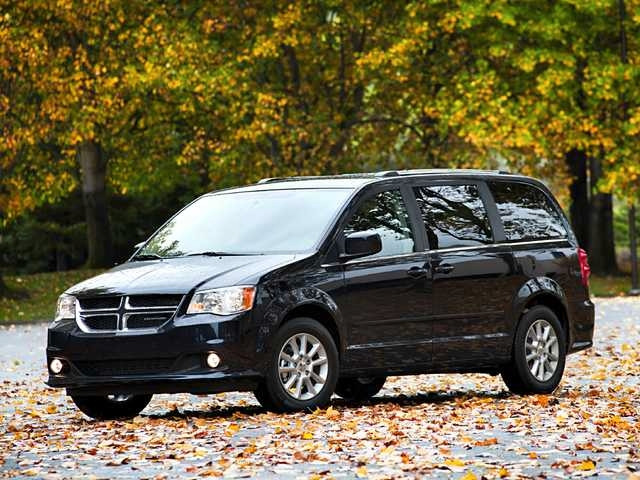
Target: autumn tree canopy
{"type": "Point", "coordinates": [139, 96]}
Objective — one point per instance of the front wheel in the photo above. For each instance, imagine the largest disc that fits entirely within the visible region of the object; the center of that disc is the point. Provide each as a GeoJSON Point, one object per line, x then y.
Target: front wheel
{"type": "Point", "coordinates": [303, 370]}
{"type": "Point", "coordinates": [111, 407]}
{"type": "Point", "coordinates": [539, 353]}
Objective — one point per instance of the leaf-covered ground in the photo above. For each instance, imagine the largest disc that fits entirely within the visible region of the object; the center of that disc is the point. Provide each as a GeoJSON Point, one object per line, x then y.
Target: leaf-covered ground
{"type": "Point", "coordinates": [448, 426]}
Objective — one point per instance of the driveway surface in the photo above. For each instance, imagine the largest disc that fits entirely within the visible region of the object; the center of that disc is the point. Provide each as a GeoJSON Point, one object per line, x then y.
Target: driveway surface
{"type": "Point", "coordinates": [442, 426]}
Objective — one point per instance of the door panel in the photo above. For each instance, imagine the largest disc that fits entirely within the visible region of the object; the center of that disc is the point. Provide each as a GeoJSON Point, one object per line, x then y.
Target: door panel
{"type": "Point", "coordinates": [471, 275]}
{"type": "Point", "coordinates": [386, 298]}
{"type": "Point", "coordinates": [469, 321]}
{"type": "Point", "coordinates": [387, 304]}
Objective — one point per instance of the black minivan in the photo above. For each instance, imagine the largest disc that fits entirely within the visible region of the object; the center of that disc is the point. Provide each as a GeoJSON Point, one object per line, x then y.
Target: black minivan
{"type": "Point", "coordinates": [298, 288]}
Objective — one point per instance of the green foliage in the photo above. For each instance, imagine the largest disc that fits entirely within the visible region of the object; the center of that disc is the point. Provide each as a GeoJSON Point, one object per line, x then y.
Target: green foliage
{"type": "Point", "coordinates": [53, 237]}
{"type": "Point", "coordinates": [200, 95]}
{"type": "Point", "coordinates": [609, 286]}
{"type": "Point", "coordinates": [41, 291]}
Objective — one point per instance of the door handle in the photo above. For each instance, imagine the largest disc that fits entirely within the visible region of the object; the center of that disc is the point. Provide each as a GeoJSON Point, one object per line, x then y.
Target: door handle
{"type": "Point", "coordinates": [417, 272]}
{"type": "Point", "coordinates": [444, 268]}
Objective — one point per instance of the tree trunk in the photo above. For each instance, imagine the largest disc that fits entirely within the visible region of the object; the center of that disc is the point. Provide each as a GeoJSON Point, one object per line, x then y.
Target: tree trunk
{"type": "Point", "coordinates": [3, 287]}
{"type": "Point", "coordinates": [602, 254]}
{"type": "Point", "coordinates": [633, 250]}
{"type": "Point", "coordinates": [579, 190]}
{"type": "Point", "coordinates": [94, 172]}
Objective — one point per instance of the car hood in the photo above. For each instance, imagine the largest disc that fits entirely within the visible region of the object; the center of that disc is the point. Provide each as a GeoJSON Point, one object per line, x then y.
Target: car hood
{"type": "Point", "coordinates": [180, 275]}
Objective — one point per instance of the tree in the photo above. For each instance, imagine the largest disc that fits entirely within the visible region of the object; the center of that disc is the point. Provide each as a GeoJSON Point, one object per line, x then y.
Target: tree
{"type": "Point", "coordinates": [95, 94]}
{"type": "Point", "coordinates": [538, 85]}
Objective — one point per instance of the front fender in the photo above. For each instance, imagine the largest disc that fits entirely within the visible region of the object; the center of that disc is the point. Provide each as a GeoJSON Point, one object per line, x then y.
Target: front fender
{"type": "Point", "coordinates": [305, 299]}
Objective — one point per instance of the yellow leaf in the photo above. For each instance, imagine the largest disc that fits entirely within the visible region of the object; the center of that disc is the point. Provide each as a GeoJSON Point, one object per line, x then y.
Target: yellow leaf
{"type": "Point", "coordinates": [586, 465]}
{"type": "Point", "coordinates": [231, 429]}
{"type": "Point", "coordinates": [307, 435]}
{"type": "Point", "coordinates": [454, 462]}
{"type": "Point", "coordinates": [51, 409]}
{"type": "Point", "coordinates": [332, 413]}
{"type": "Point", "coordinates": [361, 472]}
{"type": "Point", "coordinates": [503, 472]}
{"type": "Point", "coordinates": [469, 476]}
{"type": "Point", "coordinates": [387, 450]}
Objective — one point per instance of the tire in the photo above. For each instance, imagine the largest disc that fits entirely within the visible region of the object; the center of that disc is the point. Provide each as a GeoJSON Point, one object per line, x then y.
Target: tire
{"type": "Point", "coordinates": [359, 388]}
{"type": "Point", "coordinates": [291, 380]}
{"type": "Point", "coordinates": [518, 375]}
{"type": "Point", "coordinates": [111, 407]}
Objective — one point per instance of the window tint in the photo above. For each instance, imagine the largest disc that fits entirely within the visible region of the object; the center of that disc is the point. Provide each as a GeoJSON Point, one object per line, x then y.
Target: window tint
{"type": "Point", "coordinates": [453, 215]}
{"type": "Point", "coordinates": [385, 214]}
{"type": "Point", "coordinates": [526, 212]}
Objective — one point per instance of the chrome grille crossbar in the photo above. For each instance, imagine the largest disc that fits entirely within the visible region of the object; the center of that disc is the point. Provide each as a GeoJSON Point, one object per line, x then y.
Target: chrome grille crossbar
{"type": "Point", "coordinates": [118, 319]}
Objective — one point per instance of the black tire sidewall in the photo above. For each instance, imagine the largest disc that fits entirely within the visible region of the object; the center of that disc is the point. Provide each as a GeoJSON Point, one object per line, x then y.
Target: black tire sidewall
{"type": "Point", "coordinates": [529, 382]}
{"type": "Point", "coordinates": [101, 408]}
{"type": "Point", "coordinates": [280, 399]}
{"type": "Point", "coordinates": [352, 388]}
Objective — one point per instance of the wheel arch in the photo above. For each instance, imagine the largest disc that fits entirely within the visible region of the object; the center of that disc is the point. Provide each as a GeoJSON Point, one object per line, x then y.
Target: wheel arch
{"type": "Point", "coordinates": [319, 312]}
{"type": "Point", "coordinates": [546, 292]}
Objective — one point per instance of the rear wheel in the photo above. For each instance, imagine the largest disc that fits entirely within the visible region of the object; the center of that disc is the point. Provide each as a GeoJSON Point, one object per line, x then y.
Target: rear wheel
{"type": "Point", "coordinates": [303, 369]}
{"type": "Point", "coordinates": [359, 388]}
{"type": "Point", "coordinates": [539, 353]}
{"type": "Point", "coordinates": [110, 407]}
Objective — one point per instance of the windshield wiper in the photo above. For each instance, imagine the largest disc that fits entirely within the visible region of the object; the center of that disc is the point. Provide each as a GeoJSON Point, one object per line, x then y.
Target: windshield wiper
{"type": "Point", "coordinates": [147, 256]}
{"type": "Point", "coordinates": [211, 253]}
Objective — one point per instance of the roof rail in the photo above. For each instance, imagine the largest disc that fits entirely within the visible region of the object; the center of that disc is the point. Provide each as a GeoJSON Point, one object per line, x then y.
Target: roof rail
{"type": "Point", "coordinates": [387, 173]}
{"type": "Point", "coordinates": [316, 177]}
{"type": "Point", "coordinates": [445, 171]}
{"type": "Point", "coordinates": [271, 179]}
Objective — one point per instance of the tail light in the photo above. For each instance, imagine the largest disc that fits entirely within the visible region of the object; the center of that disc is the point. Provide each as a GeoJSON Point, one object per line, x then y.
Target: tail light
{"type": "Point", "coordinates": [585, 270]}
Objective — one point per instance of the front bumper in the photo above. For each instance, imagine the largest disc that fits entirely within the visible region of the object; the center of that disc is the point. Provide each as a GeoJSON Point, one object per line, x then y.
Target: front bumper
{"type": "Point", "coordinates": [170, 360]}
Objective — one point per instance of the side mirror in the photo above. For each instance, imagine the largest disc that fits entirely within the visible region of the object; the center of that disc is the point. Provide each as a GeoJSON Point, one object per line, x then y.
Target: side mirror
{"type": "Point", "coordinates": [138, 246]}
{"type": "Point", "coordinates": [361, 244]}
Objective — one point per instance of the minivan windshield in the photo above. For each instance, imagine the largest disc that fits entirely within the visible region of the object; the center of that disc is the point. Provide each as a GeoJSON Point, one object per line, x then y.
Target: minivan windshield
{"type": "Point", "coordinates": [250, 222]}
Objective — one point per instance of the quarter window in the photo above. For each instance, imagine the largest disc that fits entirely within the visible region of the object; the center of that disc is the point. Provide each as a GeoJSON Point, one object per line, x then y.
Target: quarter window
{"type": "Point", "coordinates": [453, 216]}
{"type": "Point", "coordinates": [526, 212]}
{"type": "Point", "coordinates": [385, 214]}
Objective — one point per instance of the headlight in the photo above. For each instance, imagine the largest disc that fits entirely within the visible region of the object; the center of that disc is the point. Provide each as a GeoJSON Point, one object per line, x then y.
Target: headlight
{"type": "Point", "coordinates": [223, 301]}
{"type": "Point", "coordinates": [66, 307]}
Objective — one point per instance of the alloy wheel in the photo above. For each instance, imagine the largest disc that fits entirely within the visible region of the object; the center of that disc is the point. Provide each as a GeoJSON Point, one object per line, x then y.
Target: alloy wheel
{"type": "Point", "coordinates": [303, 366]}
{"type": "Point", "coordinates": [542, 350]}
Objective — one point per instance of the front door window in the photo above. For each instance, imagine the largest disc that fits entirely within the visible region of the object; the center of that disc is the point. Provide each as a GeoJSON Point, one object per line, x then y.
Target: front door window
{"type": "Point", "coordinates": [385, 214]}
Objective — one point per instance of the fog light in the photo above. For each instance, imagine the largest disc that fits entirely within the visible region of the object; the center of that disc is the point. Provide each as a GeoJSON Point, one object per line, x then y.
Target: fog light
{"type": "Point", "coordinates": [56, 366]}
{"type": "Point", "coordinates": [213, 360]}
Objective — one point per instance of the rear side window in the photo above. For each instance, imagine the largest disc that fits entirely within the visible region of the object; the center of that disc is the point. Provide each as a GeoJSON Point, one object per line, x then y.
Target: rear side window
{"type": "Point", "coordinates": [527, 212]}
{"type": "Point", "coordinates": [385, 214]}
{"type": "Point", "coordinates": [453, 216]}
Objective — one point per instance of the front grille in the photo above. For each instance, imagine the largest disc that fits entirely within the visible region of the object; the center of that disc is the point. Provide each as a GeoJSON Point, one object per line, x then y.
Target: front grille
{"type": "Point", "coordinates": [135, 312]}
{"type": "Point", "coordinates": [102, 322]}
{"type": "Point", "coordinates": [146, 320]}
{"type": "Point", "coordinates": [99, 303]}
{"type": "Point", "coordinates": [139, 301]}
{"type": "Point", "coordinates": [103, 368]}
